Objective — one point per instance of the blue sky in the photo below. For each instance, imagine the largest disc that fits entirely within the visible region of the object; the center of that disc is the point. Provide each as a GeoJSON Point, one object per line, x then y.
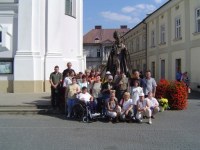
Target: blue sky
{"type": "Point", "coordinates": [113, 13]}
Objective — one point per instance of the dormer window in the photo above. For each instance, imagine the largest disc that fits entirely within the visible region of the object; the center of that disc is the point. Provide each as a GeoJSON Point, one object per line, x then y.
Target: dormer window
{"type": "Point", "coordinates": [96, 40]}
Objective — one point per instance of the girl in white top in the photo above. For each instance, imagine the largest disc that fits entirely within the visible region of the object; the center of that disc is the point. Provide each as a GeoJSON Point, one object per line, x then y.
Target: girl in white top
{"type": "Point", "coordinates": [135, 91]}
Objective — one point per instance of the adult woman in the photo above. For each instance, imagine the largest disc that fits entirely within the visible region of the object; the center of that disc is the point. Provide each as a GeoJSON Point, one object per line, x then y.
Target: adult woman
{"type": "Point", "coordinates": [71, 92]}
{"type": "Point", "coordinates": [95, 91]}
{"type": "Point", "coordinates": [127, 107]}
{"type": "Point", "coordinates": [84, 82]}
{"type": "Point", "coordinates": [113, 109]}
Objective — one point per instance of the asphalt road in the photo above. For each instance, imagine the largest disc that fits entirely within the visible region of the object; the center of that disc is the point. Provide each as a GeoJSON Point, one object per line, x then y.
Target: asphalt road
{"type": "Point", "coordinates": [174, 130]}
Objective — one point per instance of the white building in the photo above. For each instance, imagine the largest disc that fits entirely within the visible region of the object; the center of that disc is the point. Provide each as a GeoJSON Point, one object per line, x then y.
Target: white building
{"type": "Point", "coordinates": [174, 40]}
{"type": "Point", "coordinates": [36, 35]}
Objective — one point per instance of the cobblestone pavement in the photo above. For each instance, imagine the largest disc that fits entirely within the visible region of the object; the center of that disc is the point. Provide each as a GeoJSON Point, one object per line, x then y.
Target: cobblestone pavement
{"type": "Point", "coordinates": [174, 130]}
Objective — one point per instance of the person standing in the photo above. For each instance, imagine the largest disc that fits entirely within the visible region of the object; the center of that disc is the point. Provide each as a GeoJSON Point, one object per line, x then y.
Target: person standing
{"type": "Point", "coordinates": [71, 93]}
{"type": "Point", "coordinates": [149, 84]}
{"type": "Point", "coordinates": [55, 79]}
{"type": "Point", "coordinates": [69, 68]}
{"type": "Point", "coordinates": [121, 85]}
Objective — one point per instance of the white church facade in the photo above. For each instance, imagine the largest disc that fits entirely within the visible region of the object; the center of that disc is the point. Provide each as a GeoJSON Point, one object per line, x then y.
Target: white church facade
{"type": "Point", "coordinates": [36, 35]}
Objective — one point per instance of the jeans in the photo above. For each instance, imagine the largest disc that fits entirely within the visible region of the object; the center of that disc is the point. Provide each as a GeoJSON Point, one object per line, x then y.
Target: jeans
{"type": "Point", "coordinates": [70, 103]}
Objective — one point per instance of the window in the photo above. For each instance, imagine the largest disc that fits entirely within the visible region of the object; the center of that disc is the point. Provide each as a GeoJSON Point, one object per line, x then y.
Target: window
{"type": "Point", "coordinates": [137, 44]}
{"type": "Point", "coordinates": [162, 34]}
{"type": "Point", "coordinates": [98, 53]}
{"type": "Point", "coordinates": [153, 68]}
{"type": "Point", "coordinates": [0, 36]}
{"type": "Point", "coordinates": [198, 20]}
{"type": "Point", "coordinates": [178, 28]}
{"type": "Point", "coordinates": [143, 42]}
{"type": "Point", "coordinates": [162, 69]}
{"type": "Point", "coordinates": [70, 7]}
{"type": "Point", "coordinates": [6, 66]}
{"type": "Point", "coordinates": [153, 38]}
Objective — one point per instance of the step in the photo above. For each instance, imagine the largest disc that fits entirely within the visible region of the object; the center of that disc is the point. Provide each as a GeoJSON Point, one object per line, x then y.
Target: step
{"type": "Point", "coordinates": [26, 109]}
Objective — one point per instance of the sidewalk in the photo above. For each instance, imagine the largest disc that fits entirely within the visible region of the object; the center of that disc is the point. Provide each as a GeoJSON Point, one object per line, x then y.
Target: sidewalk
{"type": "Point", "coordinates": [20, 99]}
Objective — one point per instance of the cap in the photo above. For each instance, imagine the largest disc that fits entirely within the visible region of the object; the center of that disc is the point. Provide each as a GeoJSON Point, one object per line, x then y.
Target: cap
{"type": "Point", "coordinates": [141, 94]}
{"type": "Point", "coordinates": [108, 72]}
{"type": "Point", "coordinates": [110, 77]}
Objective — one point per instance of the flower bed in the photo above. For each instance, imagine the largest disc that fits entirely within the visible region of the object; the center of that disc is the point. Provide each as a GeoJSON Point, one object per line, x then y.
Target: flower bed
{"type": "Point", "coordinates": [176, 93]}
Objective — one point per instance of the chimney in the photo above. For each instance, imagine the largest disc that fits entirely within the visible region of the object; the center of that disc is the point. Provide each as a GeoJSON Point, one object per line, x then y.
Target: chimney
{"type": "Point", "coordinates": [123, 26]}
{"type": "Point", "coordinates": [97, 27]}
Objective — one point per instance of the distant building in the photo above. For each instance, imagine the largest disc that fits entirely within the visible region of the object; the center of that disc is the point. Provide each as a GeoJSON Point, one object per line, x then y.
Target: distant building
{"type": "Point", "coordinates": [173, 43]}
{"type": "Point", "coordinates": [97, 44]}
{"type": "Point", "coordinates": [135, 41]}
{"type": "Point", "coordinates": [36, 35]}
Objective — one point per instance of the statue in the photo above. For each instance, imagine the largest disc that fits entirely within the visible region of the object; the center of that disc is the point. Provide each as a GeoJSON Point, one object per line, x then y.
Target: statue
{"type": "Point", "coordinates": [119, 58]}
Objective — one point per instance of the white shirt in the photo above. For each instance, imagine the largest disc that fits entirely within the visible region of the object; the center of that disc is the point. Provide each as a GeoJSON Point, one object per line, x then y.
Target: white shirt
{"type": "Point", "coordinates": [126, 104]}
{"type": "Point", "coordinates": [67, 82]}
{"type": "Point", "coordinates": [153, 102]}
{"type": "Point", "coordinates": [135, 91]}
{"type": "Point", "coordinates": [142, 104]}
{"type": "Point", "coordinates": [85, 97]}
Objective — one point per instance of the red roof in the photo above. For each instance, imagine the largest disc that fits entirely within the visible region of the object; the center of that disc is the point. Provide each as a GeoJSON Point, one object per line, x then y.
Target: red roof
{"type": "Point", "coordinates": [102, 35]}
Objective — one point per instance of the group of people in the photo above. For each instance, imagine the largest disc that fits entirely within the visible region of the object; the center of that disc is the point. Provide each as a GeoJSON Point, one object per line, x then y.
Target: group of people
{"type": "Point", "coordinates": [116, 97]}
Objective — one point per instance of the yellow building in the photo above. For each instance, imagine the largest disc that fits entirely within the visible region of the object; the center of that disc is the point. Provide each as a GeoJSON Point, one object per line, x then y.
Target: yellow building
{"type": "Point", "coordinates": [173, 40]}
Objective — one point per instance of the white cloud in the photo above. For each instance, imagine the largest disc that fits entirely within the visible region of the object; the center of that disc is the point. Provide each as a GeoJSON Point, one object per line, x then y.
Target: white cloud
{"type": "Point", "coordinates": [120, 17]}
{"type": "Point", "coordinates": [115, 16]}
{"type": "Point", "coordinates": [128, 9]}
{"type": "Point", "coordinates": [158, 1]}
{"type": "Point", "coordinates": [129, 14]}
{"type": "Point", "coordinates": [138, 9]}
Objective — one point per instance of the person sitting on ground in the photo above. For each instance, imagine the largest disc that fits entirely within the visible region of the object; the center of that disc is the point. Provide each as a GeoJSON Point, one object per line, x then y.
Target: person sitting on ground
{"type": "Point", "coordinates": [113, 109]}
{"type": "Point", "coordinates": [143, 109]}
{"type": "Point", "coordinates": [154, 105]}
{"type": "Point", "coordinates": [85, 97]}
{"type": "Point", "coordinates": [135, 90]}
{"type": "Point", "coordinates": [127, 107]}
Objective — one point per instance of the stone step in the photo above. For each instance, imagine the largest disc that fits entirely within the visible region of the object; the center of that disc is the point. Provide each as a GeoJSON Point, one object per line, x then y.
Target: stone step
{"type": "Point", "coordinates": [27, 109]}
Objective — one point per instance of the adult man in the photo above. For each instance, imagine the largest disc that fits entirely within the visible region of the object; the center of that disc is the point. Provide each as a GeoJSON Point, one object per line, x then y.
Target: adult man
{"type": "Point", "coordinates": [136, 76]}
{"type": "Point", "coordinates": [55, 79]}
{"type": "Point", "coordinates": [143, 108]}
{"type": "Point", "coordinates": [149, 84]}
{"type": "Point", "coordinates": [69, 68]}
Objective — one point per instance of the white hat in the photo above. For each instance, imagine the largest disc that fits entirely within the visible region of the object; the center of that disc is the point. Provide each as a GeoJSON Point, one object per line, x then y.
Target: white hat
{"type": "Point", "coordinates": [110, 77]}
{"type": "Point", "coordinates": [141, 94]}
{"type": "Point", "coordinates": [108, 72]}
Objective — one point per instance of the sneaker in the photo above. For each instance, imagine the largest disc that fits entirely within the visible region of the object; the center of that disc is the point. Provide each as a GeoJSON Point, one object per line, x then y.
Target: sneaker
{"type": "Point", "coordinates": [139, 120]}
{"type": "Point", "coordinates": [150, 122]}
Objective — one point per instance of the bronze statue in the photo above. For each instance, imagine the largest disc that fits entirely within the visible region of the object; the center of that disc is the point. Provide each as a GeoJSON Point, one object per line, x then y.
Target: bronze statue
{"type": "Point", "coordinates": [119, 57]}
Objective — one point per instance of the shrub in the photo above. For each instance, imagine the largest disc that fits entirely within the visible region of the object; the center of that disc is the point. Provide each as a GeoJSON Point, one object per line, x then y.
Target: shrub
{"type": "Point", "coordinates": [176, 93]}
